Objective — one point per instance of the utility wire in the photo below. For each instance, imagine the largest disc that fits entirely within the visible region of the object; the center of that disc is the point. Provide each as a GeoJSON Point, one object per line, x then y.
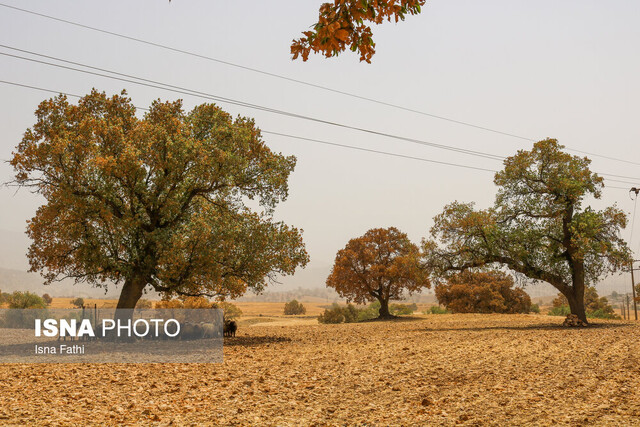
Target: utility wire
{"type": "Point", "coordinates": [186, 91]}
{"type": "Point", "coordinates": [190, 92]}
{"type": "Point", "coordinates": [297, 81]}
{"type": "Point", "coordinates": [182, 90]}
{"type": "Point", "coordinates": [290, 136]}
{"type": "Point", "coordinates": [303, 138]}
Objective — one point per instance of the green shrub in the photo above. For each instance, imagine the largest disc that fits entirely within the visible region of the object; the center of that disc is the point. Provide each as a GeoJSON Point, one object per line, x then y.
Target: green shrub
{"type": "Point", "coordinates": [402, 309]}
{"type": "Point", "coordinates": [294, 307]}
{"type": "Point", "coordinates": [602, 314]}
{"type": "Point", "coordinates": [339, 314]}
{"type": "Point", "coordinates": [535, 308]}
{"type": "Point", "coordinates": [436, 309]}
{"type": "Point", "coordinates": [562, 310]}
{"type": "Point", "coordinates": [371, 311]}
{"type": "Point", "coordinates": [25, 300]}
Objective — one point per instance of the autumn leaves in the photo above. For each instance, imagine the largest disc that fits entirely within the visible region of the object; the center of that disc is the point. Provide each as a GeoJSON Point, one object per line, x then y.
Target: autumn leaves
{"type": "Point", "coordinates": [156, 201]}
{"type": "Point", "coordinates": [341, 25]}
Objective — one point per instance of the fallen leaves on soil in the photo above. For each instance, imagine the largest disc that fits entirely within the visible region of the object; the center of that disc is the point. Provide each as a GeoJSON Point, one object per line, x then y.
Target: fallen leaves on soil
{"type": "Point", "coordinates": [439, 370]}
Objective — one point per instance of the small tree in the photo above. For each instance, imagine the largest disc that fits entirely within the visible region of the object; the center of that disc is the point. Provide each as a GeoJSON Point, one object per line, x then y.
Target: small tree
{"type": "Point", "coordinates": [380, 265]}
{"type": "Point", "coordinates": [25, 300]}
{"type": "Point", "coordinates": [78, 302]}
{"type": "Point", "coordinates": [294, 307]}
{"type": "Point", "coordinates": [482, 292]}
{"type": "Point", "coordinates": [47, 299]}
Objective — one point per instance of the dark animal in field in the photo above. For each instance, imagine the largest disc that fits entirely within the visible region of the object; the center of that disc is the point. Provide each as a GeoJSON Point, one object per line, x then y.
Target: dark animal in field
{"type": "Point", "coordinates": [230, 328]}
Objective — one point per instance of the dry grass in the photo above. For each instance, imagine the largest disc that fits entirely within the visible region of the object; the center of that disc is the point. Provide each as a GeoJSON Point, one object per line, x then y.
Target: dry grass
{"type": "Point", "coordinates": [435, 370]}
{"type": "Point", "coordinates": [277, 308]}
{"type": "Point", "coordinates": [88, 302]}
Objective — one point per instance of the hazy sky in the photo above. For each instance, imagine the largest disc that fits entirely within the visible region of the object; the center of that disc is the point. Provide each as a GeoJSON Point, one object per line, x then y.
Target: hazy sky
{"type": "Point", "coordinates": [568, 70]}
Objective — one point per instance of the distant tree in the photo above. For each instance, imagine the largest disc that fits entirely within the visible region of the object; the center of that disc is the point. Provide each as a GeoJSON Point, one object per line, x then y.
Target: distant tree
{"type": "Point", "coordinates": [293, 307]}
{"type": "Point", "coordinates": [47, 299]}
{"type": "Point", "coordinates": [380, 265]}
{"type": "Point", "coordinates": [482, 292]}
{"type": "Point", "coordinates": [25, 300]}
{"type": "Point", "coordinates": [341, 25]}
{"type": "Point", "coordinates": [78, 302]}
{"type": "Point", "coordinates": [537, 227]}
{"type": "Point", "coordinates": [156, 201]}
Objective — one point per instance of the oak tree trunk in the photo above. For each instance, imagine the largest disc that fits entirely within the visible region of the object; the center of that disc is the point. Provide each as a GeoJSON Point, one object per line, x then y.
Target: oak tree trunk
{"type": "Point", "coordinates": [131, 292]}
{"type": "Point", "coordinates": [575, 296]}
{"type": "Point", "coordinates": [384, 313]}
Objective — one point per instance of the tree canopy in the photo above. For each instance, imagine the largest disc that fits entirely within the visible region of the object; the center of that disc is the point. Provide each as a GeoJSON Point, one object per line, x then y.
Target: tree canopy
{"type": "Point", "coordinates": [380, 265]}
{"type": "Point", "coordinates": [537, 227]}
{"type": "Point", "coordinates": [341, 25]}
{"type": "Point", "coordinates": [155, 201]}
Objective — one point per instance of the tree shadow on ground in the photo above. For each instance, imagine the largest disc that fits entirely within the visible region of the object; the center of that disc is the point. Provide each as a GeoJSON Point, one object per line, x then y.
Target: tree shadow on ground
{"type": "Point", "coordinates": [393, 319]}
{"type": "Point", "coordinates": [254, 341]}
{"type": "Point", "coordinates": [546, 326]}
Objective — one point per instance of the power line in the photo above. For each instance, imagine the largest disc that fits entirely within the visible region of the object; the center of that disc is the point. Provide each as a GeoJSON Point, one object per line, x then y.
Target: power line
{"type": "Point", "coordinates": [290, 136]}
{"type": "Point", "coordinates": [186, 91]}
{"type": "Point", "coordinates": [369, 150]}
{"type": "Point", "coordinates": [259, 71]}
{"type": "Point", "coordinates": [304, 138]}
{"type": "Point", "coordinates": [190, 92]}
{"type": "Point", "coordinates": [298, 81]}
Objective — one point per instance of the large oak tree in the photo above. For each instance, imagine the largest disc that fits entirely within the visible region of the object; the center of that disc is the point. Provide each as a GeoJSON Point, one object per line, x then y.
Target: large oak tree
{"type": "Point", "coordinates": [157, 201]}
{"type": "Point", "coordinates": [538, 226]}
{"type": "Point", "coordinates": [380, 265]}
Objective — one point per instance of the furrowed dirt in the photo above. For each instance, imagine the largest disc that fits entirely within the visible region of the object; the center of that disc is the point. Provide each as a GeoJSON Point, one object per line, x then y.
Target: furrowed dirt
{"type": "Point", "coordinates": [435, 370]}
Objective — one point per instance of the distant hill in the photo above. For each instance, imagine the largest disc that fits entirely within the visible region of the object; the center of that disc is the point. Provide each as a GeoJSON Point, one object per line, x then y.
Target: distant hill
{"type": "Point", "coordinates": [17, 280]}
